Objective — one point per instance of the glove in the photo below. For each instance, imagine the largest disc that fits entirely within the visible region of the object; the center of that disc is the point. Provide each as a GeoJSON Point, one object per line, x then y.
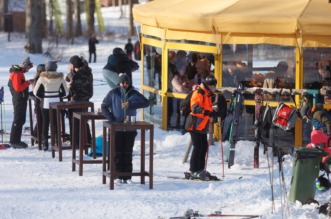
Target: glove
{"type": "Point", "coordinates": [209, 113]}
{"type": "Point", "coordinates": [206, 113]}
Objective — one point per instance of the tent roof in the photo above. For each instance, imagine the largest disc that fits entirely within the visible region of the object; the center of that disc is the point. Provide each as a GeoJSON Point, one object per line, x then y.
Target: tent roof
{"type": "Point", "coordinates": [306, 22]}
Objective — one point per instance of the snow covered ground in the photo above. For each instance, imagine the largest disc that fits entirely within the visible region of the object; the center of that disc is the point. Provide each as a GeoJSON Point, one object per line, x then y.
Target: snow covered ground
{"type": "Point", "coordinates": [34, 185]}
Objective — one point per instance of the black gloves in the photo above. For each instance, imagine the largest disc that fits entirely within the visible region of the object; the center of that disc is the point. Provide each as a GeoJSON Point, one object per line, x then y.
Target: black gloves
{"type": "Point", "coordinates": [209, 113]}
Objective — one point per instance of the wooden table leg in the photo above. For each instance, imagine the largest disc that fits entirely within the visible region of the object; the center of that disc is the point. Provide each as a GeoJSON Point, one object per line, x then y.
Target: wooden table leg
{"type": "Point", "coordinates": [104, 150]}
{"type": "Point", "coordinates": [82, 141]}
{"type": "Point", "coordinates": [142, 157]}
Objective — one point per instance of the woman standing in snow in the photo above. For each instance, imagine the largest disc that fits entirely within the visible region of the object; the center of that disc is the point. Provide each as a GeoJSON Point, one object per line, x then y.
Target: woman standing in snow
{"type": "Point", "coordinates": [50, 87]}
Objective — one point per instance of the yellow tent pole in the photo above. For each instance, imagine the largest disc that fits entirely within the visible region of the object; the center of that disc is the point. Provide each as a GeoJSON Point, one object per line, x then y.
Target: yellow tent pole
{"type": "Point", "coordinates": [164, 87]}
{"type": "Point", "coordinates": [298, 85]}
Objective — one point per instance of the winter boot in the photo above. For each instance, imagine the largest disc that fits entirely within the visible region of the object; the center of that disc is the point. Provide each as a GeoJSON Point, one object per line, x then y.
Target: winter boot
{"type": "Point", "coordinates": [45, 144]}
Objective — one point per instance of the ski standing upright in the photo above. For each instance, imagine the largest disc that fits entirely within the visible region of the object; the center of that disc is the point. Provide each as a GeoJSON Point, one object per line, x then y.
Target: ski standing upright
{"type": "Point", "coordinates": [257, 126]}
{"type": "Point", "coordinates": [237, 102]}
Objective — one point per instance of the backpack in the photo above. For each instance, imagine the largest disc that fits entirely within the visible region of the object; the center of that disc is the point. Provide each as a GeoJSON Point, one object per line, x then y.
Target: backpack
{"type": "Point", "coordinates": [284, 117]}
{"type": "Point", "coordinates": [185, 105]}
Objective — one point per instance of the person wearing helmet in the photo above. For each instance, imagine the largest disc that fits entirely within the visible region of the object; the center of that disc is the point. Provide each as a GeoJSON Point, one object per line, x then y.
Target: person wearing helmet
{"type": "Point", "coordinates": [197, 124]}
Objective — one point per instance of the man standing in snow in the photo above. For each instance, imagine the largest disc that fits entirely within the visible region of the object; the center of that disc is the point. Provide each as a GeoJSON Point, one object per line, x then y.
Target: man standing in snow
{"type": "Point", "coordinates": [197, 124]}
{"type": "Point", "coordinates": [129, 48]}
{"type": "Point", "coordinates": [80, 80]}
{"type": "Point", "coordinates": [19, 89]}
{"type": "Point", "coordinates": [121, 102]}
{"type": "Point", "coordinates": [92, 48]}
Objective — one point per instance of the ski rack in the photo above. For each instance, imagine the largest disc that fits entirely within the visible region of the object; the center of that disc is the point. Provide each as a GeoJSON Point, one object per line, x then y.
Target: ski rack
{"type": "Point", "coordinates": [281, 91]}
{"type": "Point", "coordinates": [274, 91]}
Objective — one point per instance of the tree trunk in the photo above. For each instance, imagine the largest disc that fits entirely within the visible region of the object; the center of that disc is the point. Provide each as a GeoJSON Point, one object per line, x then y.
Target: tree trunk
{"type": "Point", "coordinates": [69, 32]}
{"type": "Point", "coordinates": [78, 22]}
{"type": "Point", "coordinates": [131, 27]}
{"type": "Point", "coordinates": [3, 11]}
{"type": "Point", "coordinates": [51, 14]}
{"type": "Point", "coordinates": [44, 19]}
{"type": "Point", "coordinates": [33, 26]}
{"type": "Point", "coordinates": [90, 22]}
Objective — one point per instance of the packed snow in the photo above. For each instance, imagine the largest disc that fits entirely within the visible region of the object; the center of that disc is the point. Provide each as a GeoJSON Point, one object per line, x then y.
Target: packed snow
{"type": "Point", "coordinates": [35, 185]}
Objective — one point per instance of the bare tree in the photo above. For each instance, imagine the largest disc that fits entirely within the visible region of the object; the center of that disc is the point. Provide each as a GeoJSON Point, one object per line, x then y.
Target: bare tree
{"type": "Point", "coordinates": [90, 21]}
{"type": "Point", "coordinates": [33, 26]}
{"type": "Point", "coordinates": [78, 23]}
{"type": "Point", "coordinates": [69, 32]}
{"type": "Point", "coordinates": [131, 27]}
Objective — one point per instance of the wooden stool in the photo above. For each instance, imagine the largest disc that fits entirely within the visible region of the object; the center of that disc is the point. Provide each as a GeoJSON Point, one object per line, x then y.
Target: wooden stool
{"type": "Point", "coordinates": [35, 137]}
{"type": "Point", "coordinates": [112, 174]}
{"type": "Point", "coordinates": [59, 108]}
{"type": "Point", "coordinates": [83, 117]}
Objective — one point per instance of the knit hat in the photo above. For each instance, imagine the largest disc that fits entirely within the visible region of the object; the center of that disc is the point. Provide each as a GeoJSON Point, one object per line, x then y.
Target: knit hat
{"type": "Point", "coordinates": [51, 65]}
{"type": "Point", "coordinates": [26, 63]}
{"type": "Point", "coordinates": [124, 77]}
{"type": "Point", "coordinates": [41, 68]}
{"type": "Point", "coordinates": [76, 61]}
{"type": "Point", "coordinates": [118, 51]}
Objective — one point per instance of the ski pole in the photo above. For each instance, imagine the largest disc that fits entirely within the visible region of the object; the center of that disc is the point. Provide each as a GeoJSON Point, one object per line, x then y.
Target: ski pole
{"type": "Point", "coordinates": [206, 160]}
{"type": "Point", "coordinates": [221, 141]}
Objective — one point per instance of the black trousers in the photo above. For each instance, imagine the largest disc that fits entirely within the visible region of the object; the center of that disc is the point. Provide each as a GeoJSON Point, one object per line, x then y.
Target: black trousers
{"type": "Point", "coordinates": [77, 127]}
{"type": "Point", "coordinates": [124, 142]}
{"type": "Point", "coordinates": [46, 122]}
{"type": "Point", "coordinates": [18, 121]}
{"type": "Point", "coordinates": [90, 57]}
{"type": "Point", "coordinates": [198, 157]}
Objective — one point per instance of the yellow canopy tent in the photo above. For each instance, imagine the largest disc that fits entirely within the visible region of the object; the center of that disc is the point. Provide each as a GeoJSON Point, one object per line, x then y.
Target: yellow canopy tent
{"type": "Point", "coordinates": [281, 22]}
{"type": "Point", "coordinates": [297, 23]}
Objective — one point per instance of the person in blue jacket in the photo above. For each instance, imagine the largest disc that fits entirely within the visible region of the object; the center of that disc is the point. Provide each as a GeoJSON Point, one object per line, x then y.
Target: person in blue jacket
{"type": "Point", "coordinates": [121, 103]}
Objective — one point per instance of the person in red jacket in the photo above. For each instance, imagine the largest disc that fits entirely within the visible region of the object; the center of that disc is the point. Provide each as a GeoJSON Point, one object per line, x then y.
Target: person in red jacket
{"type": "Point", "coordinates": [198, 123]}
{"type": "Point", "coordinates": [19, 89]}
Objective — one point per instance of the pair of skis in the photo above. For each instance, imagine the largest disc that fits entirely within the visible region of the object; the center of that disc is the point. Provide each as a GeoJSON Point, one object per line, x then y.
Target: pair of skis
{"type": "Point", "coordinates": [237, 104]}
{"type": "Point", "coordinates": [236, 108]}
{"type": "Point", "coordinates": [190, 213]}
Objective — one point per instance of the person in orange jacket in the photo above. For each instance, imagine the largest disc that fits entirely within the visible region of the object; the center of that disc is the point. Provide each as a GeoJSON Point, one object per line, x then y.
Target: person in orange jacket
{"type": "Point", "coordinates": [19, 89]}
{"type": "Point", "coordinates": [197, 123]}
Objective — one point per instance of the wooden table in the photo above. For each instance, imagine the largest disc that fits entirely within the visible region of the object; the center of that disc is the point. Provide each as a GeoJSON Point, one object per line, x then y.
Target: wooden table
{"type": "Point", "coordinates": [112, 174]}
{"type": "Point", "coordinates": [59, 108]}
{"type": "Point", "coordinates": [83, 118]}
{"type": "Point", "coordinates": [35, 137]}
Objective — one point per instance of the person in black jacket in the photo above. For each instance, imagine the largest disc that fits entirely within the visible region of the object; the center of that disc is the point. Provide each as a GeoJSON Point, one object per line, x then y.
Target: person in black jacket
{"type": "Point", "coordinates": [117, 63]}
{"type": "Point", "coordinates": [80, 80]}
{"type": "Point", "coordinates": [91, 48]}
{"type": "Point", "coordinates": [119, 104]}
{"type": "Point", "coordinates": [19, 89]}
{"type": "Point", "coordinates": [129, 48]}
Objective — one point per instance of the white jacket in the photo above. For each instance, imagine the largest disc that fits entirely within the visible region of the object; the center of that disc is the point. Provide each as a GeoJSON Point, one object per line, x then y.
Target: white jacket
{"type": "Point", "coordinates": [50, 87]}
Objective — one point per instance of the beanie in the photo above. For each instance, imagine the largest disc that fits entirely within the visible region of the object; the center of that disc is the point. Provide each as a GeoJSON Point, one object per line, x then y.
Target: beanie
{"type": "Point", "coordinates": [76, 61]}
{"type": "Point", "coordinates": [26, 63]}
{"type": "Point", "coordinates": [118, 51]}
{"type": "Point", "coordinates": [51, 65]}
{"type": "Point", "coordinates": [124, 77]}
{"type": "Point", "coordinates": [41, 68]}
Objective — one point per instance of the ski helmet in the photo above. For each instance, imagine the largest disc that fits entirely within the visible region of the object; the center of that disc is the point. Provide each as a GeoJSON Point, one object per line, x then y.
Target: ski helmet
{"type": "Point", "coordinates": [211, 80]}
{"type": "Point", "coordinates": [322, 183]}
